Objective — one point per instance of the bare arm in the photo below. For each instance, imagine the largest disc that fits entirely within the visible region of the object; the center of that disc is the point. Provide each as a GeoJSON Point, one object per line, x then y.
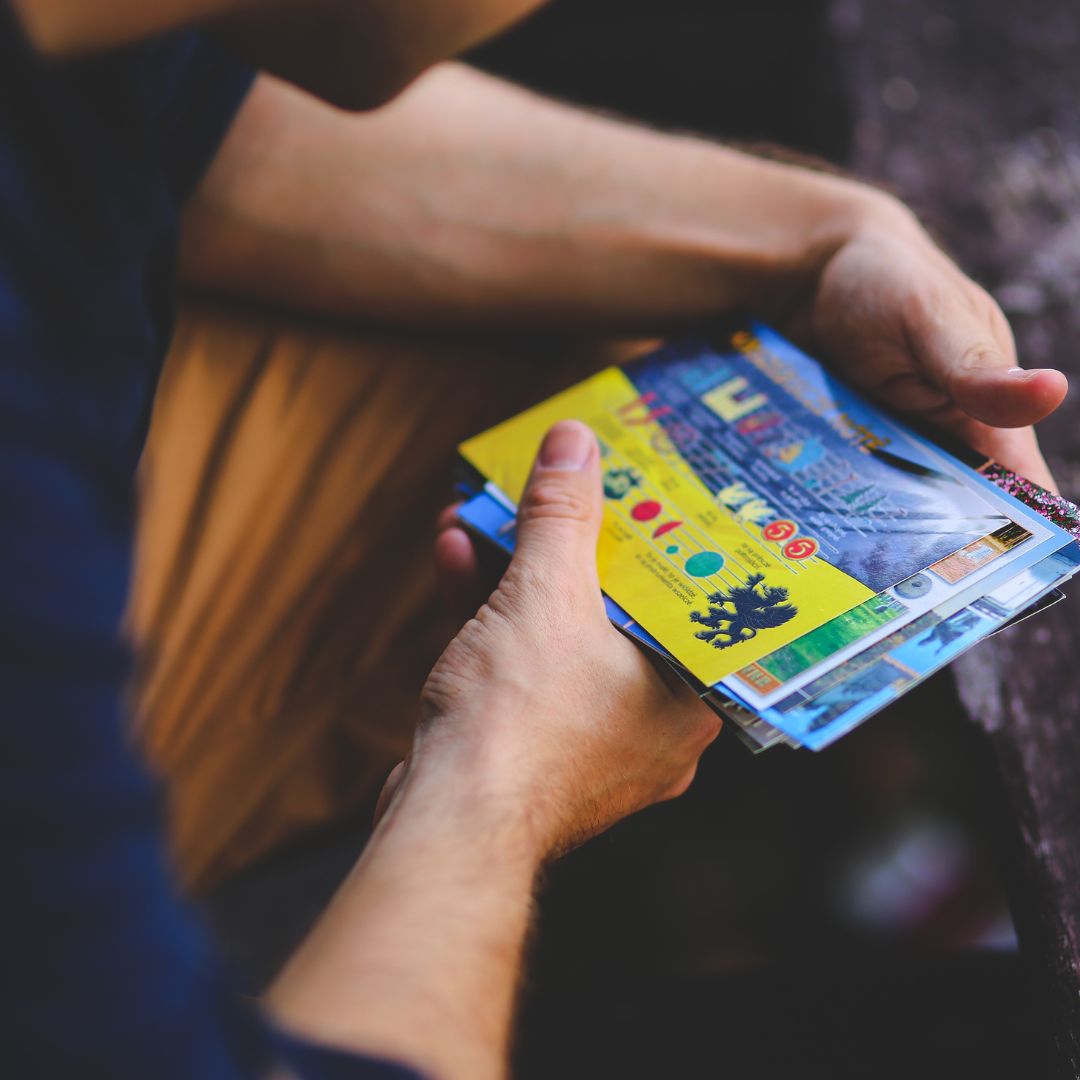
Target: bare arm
{"type": "Point", "coordinates": [467, 201]}
{"type": "Point", "coordinates": [543, 725]}
{"type": "Point", "coordinates": [418, 959]}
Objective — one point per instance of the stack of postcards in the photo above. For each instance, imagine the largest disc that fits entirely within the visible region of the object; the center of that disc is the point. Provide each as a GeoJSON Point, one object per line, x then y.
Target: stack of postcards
{"type": "Point", "coordinates": [801, 557]}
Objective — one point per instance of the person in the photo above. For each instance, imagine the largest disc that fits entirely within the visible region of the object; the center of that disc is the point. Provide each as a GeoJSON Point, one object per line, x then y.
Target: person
{"type": "Point", "coordinates": [359, 176]}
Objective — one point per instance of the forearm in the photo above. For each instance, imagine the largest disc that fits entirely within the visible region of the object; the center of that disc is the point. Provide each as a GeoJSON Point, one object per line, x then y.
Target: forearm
{"type": "Point", "coordinates": [470, 201]}
{"type": "Point", "coordinates": [418, 957]}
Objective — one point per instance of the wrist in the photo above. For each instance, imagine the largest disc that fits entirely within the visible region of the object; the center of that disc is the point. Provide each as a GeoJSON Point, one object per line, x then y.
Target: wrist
{"type": "Point", "coordinates": [798, 219]}
{"type": "Point", "coordinates": [872, 211]}
{"type": "Point", "coordinates": [836, 213]}
{"type": "Point", "coordinates": [483, 807]}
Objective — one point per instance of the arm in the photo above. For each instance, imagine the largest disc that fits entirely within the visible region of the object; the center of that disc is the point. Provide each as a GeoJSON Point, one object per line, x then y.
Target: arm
{"type": "Point", "coordinates": [470, 201]}
{"type": "Point", "coordinates": [543, 726]}
{"type": "Point", "coordinates": [467, 201]}
{"type": "Point", "coordinates": [418, 958]}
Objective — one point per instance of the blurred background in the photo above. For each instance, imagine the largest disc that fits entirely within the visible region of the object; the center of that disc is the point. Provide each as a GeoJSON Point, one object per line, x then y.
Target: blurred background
{"type": "Point", "coordinates": [838, 914]}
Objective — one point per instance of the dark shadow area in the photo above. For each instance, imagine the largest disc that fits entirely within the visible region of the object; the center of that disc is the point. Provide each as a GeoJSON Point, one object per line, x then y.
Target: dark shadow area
{"type": "Point", "coordinates": [763, 71]}
{"type": "Point", "coordinates": [886, 1017]}
{"type": "Point", "coordinates": [719, 932]}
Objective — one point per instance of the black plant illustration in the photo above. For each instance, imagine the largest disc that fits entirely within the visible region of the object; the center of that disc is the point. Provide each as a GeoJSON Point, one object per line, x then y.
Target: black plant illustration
{"type": "Point", "coordinates": [738, 614]}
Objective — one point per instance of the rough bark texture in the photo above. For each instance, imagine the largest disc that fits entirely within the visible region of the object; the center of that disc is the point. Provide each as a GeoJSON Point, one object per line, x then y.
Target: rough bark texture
{"type": "Point", "coordinates": [1023, 694]}
{"type": "Point", "coordinates": [972, 110]}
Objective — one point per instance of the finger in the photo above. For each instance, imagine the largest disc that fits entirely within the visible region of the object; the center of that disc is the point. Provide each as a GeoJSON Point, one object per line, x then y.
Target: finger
{"type": "Point", "coordinates": [561, 508]}
{"type": "Point", "coordinates": [976, 366]}
{"type": "Point", "coordinates": [458, 571]}
{"type": "Point", "coordinates": [448, 518]}
{"type": "Point", "coordinates": [1007, 397]}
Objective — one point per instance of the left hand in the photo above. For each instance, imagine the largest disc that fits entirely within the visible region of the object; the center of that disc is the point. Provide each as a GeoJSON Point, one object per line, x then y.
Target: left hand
{"type": "Point", "coordinates": [894, 315]}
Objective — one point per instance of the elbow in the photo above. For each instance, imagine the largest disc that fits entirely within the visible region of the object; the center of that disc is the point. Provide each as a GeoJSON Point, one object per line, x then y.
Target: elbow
{"type": "Point", "coordinates": [328, 50]}
{"type": "Point", "coordinates": [357, 93]}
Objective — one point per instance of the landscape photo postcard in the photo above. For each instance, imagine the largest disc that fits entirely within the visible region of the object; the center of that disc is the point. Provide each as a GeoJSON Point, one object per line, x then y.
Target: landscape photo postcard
{"type": "Point", "coordinates": [823, 710]}
{"type": "Point", "coordinates": [766, 681]}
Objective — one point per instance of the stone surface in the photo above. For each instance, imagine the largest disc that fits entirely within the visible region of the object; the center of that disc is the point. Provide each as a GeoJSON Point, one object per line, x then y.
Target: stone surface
{"type": "Point", "coordinates": [970, 110]}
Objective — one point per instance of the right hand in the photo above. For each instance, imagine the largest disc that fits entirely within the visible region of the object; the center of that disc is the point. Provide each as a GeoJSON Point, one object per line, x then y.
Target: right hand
{"type": "Point", "coordinates": [547, 712]}
{"type": "Point", "coordinates": [892, 313]}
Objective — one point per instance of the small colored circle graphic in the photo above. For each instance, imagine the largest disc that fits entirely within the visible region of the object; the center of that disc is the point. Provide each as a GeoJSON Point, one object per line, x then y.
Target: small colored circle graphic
{"type": "Point", "coordinates": [914, 588]}
{"type": "Point", "coordinates": [646, 511]}
{"type": "Point", "coordinates": [704, 563]}
{"type": "Point", "coordinates": [779, 531]}
{"type": "Point", "coordinates": [801, 548]}
{"type": "Point", "coordinates": [662, 530]}
{"type": "Point", "coordinates": [673, 549]}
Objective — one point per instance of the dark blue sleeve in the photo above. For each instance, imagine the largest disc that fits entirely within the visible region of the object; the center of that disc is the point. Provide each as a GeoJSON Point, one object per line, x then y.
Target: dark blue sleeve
{"type": "Point", "coordinates": [104, 974]}
{"type": "Point", "coordinates": [193, 88]}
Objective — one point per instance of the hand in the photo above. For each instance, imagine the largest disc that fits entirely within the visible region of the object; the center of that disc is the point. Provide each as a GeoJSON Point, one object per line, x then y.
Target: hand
{"type": "Point", "coordinates": [895, 316]}
{"type": "Point", "coordinates": [552, 715]}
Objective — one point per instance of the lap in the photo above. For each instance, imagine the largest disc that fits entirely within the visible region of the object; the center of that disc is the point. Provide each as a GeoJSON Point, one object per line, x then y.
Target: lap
{"type": "Point", "coordinates": [283, 605]}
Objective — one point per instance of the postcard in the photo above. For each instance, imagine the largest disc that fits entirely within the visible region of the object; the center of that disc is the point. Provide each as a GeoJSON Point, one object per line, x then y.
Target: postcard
{"type": "Point", "coordinates": [768, 680]}
{"type": "Point", "coordinates": [751, 499]}
{"type": "Point", "coordinates": [837, 701]}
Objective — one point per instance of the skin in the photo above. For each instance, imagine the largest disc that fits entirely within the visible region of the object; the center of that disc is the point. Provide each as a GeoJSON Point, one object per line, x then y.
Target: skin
{"type": "Point", "coordinates": [302, 194]}
{"type": "Point", "coordinates": [467, 202]}
{"type": "Point", "coordinates": [539, 731]}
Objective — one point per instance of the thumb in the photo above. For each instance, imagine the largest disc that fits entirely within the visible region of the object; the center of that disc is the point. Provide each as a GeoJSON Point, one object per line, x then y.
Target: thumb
{"type": "Point", "coordinates": [982, 378]}
{"type": "Point", "coordinates": [561, 508]}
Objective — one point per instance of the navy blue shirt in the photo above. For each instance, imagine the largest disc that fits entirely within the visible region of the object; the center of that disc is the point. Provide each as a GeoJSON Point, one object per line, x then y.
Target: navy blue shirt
{"type": "Point", "coordinates": [102, 972]}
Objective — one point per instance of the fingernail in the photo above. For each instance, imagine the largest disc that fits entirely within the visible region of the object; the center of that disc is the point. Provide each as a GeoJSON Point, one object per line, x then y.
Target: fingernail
{"type": "Point", "coordinates": [567, 446]}
{"type": "Point", "coordinates": [1022, 373]}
